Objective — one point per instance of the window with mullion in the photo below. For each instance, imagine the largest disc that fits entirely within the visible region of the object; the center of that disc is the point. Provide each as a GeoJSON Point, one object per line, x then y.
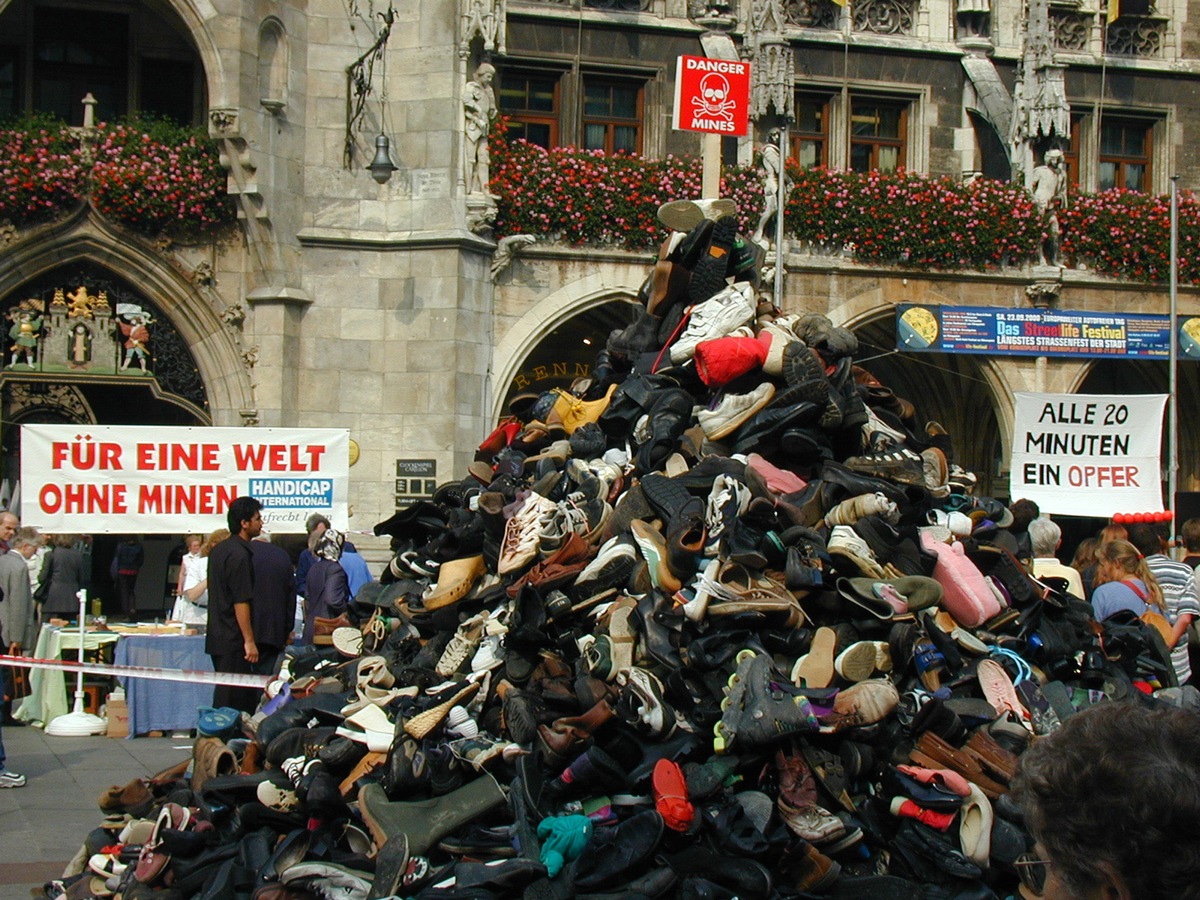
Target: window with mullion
{"type": "Point", "coordinates": [810, 133]}
{"type": "Point", "coordinates": [1124, 160]}
{"type": "Point", "coordinates": [530, 100]}
{"type": "Point", "coordinates": [878, 132]}
{"type": "Point", "coordinates": [612, 114]}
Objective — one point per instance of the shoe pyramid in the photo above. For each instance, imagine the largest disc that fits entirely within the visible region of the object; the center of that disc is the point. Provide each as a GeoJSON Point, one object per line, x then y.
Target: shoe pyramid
{"type": "Point", "coordinates": [726, 551]}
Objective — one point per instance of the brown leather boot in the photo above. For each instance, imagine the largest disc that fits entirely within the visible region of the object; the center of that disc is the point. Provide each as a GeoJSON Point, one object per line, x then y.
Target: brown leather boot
{"type": "Point", "coordinates": [323, 628]}
{"type": "Point", "coordinates": [805, 869]}
{"type": "Point", "coordinates": [566, 737]}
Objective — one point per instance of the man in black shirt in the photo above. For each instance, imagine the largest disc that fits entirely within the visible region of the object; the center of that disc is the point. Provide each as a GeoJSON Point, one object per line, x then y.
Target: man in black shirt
{"type": "Point", "coordinates": [274, 610]}
{"type": "Point", "coordinates": [230, 636]}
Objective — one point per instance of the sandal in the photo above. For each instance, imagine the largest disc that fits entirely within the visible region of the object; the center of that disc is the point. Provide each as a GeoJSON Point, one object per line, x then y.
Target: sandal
{"type": "Point", "coordinates": [930, 663]}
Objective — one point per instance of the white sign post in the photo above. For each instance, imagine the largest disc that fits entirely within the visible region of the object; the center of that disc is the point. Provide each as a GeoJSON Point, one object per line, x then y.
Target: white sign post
{"type": "Point", "coordinates": [1088, 454]}
{"type": "Point", "coordinates": [133, 479]}
{"type": "Point", "coordinates": [712, 96]}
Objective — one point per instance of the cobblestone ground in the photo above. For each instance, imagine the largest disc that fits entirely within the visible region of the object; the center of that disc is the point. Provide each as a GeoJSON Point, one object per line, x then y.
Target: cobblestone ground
{"type": "Point", "coordinates": [44, 823]}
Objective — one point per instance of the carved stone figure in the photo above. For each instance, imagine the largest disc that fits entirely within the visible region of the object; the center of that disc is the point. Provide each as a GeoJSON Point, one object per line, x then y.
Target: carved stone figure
{"type": "Point", "coordinates": [772, 169]}
{"type": "Point", "coordinates": [1049, 187]}
{"type": "Point", "coordinates": [483, 18]}
{"type": "Point", "coordinates": [479, 105]}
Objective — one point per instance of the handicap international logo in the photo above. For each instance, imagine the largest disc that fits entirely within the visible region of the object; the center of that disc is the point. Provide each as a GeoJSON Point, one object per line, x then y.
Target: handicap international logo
{"type": "Point", "coordinates": [1189, 338]}
{"type": "Point", "coordinates": [918, 328]}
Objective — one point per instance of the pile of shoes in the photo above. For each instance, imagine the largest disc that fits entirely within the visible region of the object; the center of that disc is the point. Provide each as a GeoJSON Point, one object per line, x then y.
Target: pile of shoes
{"type": "Point", "coordinates": [722, 620]}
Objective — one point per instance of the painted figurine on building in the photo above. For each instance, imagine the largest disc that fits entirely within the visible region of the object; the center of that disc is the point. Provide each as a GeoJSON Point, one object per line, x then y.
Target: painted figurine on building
{"type": "Point", "coordinates": [27, 325]}
{"type": "Point", "coordinates": [1049, 187]}
{"type": "Point", "coordinates": [479, 107]}
{"type": "Point", "coordinates": [79, 346]}
{"type": "Point", "coordinates": [137, 336]}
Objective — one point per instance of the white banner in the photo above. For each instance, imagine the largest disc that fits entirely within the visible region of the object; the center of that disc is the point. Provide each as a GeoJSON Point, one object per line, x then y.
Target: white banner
{"type": "Point", "coordinates": [134, 479]}
{"type": "Point", "coordinates": [1088, 454]}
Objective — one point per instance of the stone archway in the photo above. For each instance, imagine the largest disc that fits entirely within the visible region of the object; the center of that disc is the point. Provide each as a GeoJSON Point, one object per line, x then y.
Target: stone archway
{"type": "Point", "coordinates": [566, 311]}
{"type": "Point", "coordinates": [965, 394]}
{"type": "Point", "coordinates": [86, 239]}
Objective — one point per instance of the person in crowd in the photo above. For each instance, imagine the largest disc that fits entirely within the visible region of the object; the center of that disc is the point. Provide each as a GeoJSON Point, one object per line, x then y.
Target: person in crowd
{"type": "Point", "coordinates": [1088, 844]}
{"type": "Point", "coordinates": [315, 525]}
{"type": "Point", "coordinates": [191, 605]}
{"type": "Point", "coordinates": [62, 577]}
{"type": "Point", "coordinates": [274, 610]}
{"type": "Point", "coordinates": [9, 523]}
{"type": "Point", "coordinates": [1084, 561]}
{"type": "Point", "coordinates": [1123, 581]}
{"type": "Point", "coordinates": [328, 588]}
{"type": "Point", "coordinates": [1190, 533]}
{"type": "Point", "coordinates": [127, 562]}
{"type": "Point", "coordinates": [230, 637]}
{"type": "Point", "coordinates": [18, 623]}
{"type": "Point", "coordinates": [1023, 512]}
{"type": "Point", "coordinates": [192, 543]}
{"type": "Point", "coordinates": [1045, 537]}
{"type": "Point", "coordinates": [1110, 532]}
{"type": "Point", "coordinates": [1177, 582]}
{"type": "Point", "coordinates": [357, 573]}
{"type": "Point", "coordinates": [34, 566]}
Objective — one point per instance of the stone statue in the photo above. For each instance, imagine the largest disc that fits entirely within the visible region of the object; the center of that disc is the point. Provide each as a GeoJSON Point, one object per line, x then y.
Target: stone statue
{"type": "Point", "coordinates": [772, 170]}
{"type": "Point", "coordinates": [26, 327]}
{"type": "Point", "coordinates": [479, 105]}
{"type": "Point", "coordinates": [1049, 187]}
{"type": "Point", "coordinates": [483, 18]}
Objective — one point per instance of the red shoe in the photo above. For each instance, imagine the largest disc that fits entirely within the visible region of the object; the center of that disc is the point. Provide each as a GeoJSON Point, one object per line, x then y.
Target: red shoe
{"type": "Point", "coordinates": [671, 797]}
{"type": "Point", "coordinates": [902, 806]}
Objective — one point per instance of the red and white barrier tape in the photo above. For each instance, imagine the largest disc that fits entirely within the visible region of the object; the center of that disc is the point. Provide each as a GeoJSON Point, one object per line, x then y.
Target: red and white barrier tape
{"type": "Point", "coordinates": [192, 676]}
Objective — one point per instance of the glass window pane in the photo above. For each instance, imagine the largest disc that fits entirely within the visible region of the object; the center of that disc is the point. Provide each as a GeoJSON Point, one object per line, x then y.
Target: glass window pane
{"type": "Point", "coordinates": [624, 103]}
{"type": "Point", "coordinates": [625, 138]}
{"type": "Point", "coordinates": [889, 159]}
{"type": "Point", "coordinates": [889, 122]}
{"type": "Point", "coordinates": [541, 95]}
{"type": "Point", "coordinates": [808, 116]}
{"type": "Point", "coordinates": [596, 100]}
{"type": "Point", "coordinates": [1108, 175]}
{"type": "Point", "coordinates": [860, 157]}
{"type": "Point", "coordinates": [1135, 177]}
{"type": "Point", "coordinates": [1110, 138]}
{"type": "Point", "coordinates": [810, 154]}
{"type": "Point", "coordinates": [593, 137]}
{"type": "Point", "coordinates": [864, 121]}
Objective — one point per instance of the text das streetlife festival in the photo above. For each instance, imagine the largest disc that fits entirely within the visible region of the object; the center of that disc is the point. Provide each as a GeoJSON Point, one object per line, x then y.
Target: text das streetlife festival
{"type": "Point", "coordinates": [205, 499]}
{"type": "Point", "coordinates": [1057, 443]}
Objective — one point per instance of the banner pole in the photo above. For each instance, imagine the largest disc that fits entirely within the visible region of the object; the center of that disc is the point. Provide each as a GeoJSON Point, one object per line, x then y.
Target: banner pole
{"type": "Point", "coordinates": [1172, 379]}
{"type": "Point", "coordinates": [781, 201]}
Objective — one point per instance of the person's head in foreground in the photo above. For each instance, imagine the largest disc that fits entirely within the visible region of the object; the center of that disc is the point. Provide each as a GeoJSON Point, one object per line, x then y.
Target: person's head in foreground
{"type": "Point", "coordinates": [1113, 800]}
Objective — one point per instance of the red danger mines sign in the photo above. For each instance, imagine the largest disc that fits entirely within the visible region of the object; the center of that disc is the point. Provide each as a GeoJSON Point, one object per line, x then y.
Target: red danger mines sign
{"type": "Point", "coordinates": [712, 95]}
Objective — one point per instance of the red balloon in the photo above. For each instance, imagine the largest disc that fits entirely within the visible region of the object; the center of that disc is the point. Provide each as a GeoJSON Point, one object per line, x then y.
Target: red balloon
{"type": "Point", "coordinates": [1139, 517]}
{"type": "Point", "coordinates": [1118, 518]}
{"type": "Point", "coordinates": [1168, 515]}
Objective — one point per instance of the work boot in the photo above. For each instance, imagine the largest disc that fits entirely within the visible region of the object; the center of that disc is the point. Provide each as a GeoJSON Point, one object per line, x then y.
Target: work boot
{"type": "Point", "coordinates": [425, 822]}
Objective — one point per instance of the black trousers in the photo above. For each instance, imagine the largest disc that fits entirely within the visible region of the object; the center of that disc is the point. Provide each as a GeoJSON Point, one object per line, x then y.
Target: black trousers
{"type": "Point", "coordinates": [240, 698]}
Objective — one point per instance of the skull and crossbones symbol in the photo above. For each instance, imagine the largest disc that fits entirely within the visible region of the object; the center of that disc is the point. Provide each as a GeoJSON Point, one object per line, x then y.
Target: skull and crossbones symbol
{"type": "Point", "coordinates": [714, 97]}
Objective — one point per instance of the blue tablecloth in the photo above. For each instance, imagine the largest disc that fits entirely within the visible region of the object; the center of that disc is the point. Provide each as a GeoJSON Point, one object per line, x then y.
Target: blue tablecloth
{"type": "Point", "coordinates": [164, 705]}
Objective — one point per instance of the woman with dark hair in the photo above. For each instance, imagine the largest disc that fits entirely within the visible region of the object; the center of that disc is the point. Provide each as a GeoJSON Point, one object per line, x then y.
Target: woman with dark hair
{"type": "Point", "coordinates": [63, 576]}
{"type": "Point", "coordinates": [1124, 581]}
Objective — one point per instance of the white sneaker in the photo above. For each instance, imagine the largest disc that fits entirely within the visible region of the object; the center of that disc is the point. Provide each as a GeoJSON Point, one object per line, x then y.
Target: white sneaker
{"type": "Point", "coordinates": [727, 500]}
{"type": "Point", "coordinates": [11, 780]}
{"type": "Point", "coordinates": [521, 533]}
{"type": "Point", "coordinates": [843, 537]}
{"type": "Point", "coordinates": [714, 318]}
{"type": "Point", "coordinates": [733, 411]}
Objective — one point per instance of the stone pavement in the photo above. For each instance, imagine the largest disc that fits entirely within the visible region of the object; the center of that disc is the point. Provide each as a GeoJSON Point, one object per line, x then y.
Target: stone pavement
{"type": "Point", "coordinates": [44, 823]}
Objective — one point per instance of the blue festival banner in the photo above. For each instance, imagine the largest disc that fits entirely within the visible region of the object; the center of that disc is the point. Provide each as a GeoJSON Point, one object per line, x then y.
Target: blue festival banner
{"type": "Point", "coordinates": [1041, 332]}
